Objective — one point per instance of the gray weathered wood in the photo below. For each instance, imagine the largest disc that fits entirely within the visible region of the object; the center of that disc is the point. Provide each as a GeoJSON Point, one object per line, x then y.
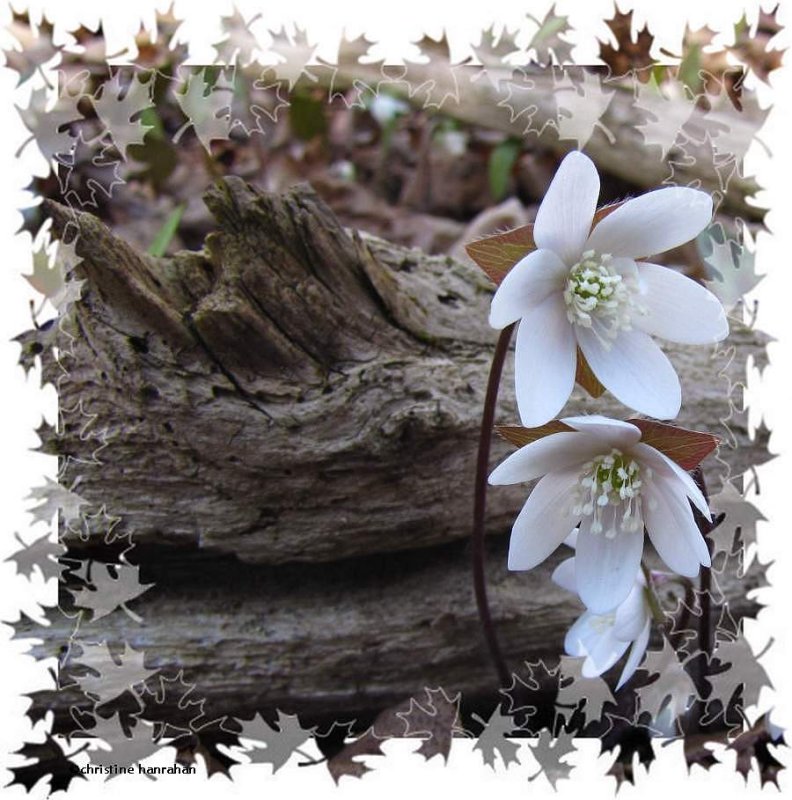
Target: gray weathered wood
{"type": "Point", "coordinates": [339, 640]}
{"type": "Point", "coordinates": [298, 392]}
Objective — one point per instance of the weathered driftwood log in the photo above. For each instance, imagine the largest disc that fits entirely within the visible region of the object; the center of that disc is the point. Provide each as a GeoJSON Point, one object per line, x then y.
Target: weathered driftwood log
{"type": "Point", "coordinates": [337, 641]}
{"type": "Point", "coordinates": [297, 392]}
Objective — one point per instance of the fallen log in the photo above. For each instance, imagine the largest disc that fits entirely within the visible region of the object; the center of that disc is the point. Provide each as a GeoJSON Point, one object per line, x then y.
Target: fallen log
{"type": "Point", "coordinates": [298, 392]}
{"type": "Point", "coordinates": [334, 641]}
{"type": "Point", "coordinates": [305, 399]}
{"type": "Point", "coordinates": [532, 101]}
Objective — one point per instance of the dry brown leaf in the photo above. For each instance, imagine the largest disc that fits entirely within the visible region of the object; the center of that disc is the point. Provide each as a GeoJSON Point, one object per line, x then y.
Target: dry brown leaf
{"type": "Point", "coordinates": [520, 436]}
{"type": "Point", "coordinates": [687, 448]}
{"type": "Point", "coordinates": [498, 253]}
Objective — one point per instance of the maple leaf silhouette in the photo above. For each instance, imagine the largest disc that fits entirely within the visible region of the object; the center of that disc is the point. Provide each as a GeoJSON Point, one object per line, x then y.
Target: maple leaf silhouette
{"type": "Point", "coordinates": [574, 690]}
{"type": "Point", "coordinates": [240, 42]}
{"type": "Point", "coordinates": [36, 48]}
{"type": "Point", "coordinates": [50, 761]}
{"type": "Point", "coordinates": [743, 671]}
{"type": "Point", "coordinates": [49, 278]}
{"type": "Point", "coordinates": [492, 50]}
{"type": "Point", "coordinates": [715, 168]}
{"type": "Point", "coordinates": [434, 719]}
{"type": "Point", "coordinates": [111, 676]}
{"type": "Point", "coordinates": [548, 43]}
{"type": "Point", "coordinates": [173, 705]}
{"type": "Point", "coordinates": [433, 91]}
{"type": "Point", "coordinates": [259, 111]}
{"type": "Point", "coordinates": [50, 127]}
{"type": "Point", "coordinates": [519, 96]}
{"type": "Point", "coordinates": [207, 105]}
{"type": "Point", "coordinates": [116, 105]}
{"type": "Point", "coordinates": [581, 105]}
{"type": "Point", "coordinates": [387, 725]}
{"type": "Point", "coordinates": [206, 742]}
{"type": "Point", "coordinates": [630, 741]}
{"type": "Point", "coordinates": [101, 523]}
{"type": "Point", "coordinates": [280, 742]}
{"type": "Point", "coordinates": [111, 591]}
{"type": "Point", "coordinates": [738, 528]}
{"type": "Point", "coordinates": [527, 691]}
{"type": "Point", "coordinates": [493, 739]}
{"type": "Point", "coordinates": [41, 554]}
{"type": "Point", "coordinates": [55, 498]}
{"type": "Point", "coordinates": [632, 50]}
{"type": "Point", "coordinates": [93, 171]}
{"type": "Point", "coordinates": [40, 342]}
{"type": "Point", "coordinates": [665, 118]}
{"type": "Point", "coordinates": [753, 746]}
{"type": "Point", "coordinates": [492, 53]}
{"type": "Point", "coordinates": [350, 53]}
{"type": "Point", "coordinates": [671, 691]}
{"type": "Point", "coordinates": [731, 263]}
{"type": "Point", "coordinates": [126, 749]}
{"type": "Point", "coordinates": [295, 52]}
{"type": "Point", "coordinates": [549, 753]}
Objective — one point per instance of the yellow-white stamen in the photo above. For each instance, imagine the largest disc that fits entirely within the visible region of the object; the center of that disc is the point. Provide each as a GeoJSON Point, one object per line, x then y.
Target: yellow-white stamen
{"type": "Point", "coordinates": [598, 297]}
{"type": "Point", "coordinates": [613, 480]}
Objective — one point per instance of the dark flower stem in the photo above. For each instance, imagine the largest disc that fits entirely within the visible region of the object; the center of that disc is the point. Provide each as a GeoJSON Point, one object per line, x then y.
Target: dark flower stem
{"type": "Point", "coordinates": [480, 504]}
{"type": "Point", "coordinates": [705, 526]}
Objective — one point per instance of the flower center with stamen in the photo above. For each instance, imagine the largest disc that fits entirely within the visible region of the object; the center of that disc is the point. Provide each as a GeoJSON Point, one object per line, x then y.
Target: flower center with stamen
{"type": "Point", "coordinates": [598, 297]}
{"type": "Point", "coordinates": [609, 491]}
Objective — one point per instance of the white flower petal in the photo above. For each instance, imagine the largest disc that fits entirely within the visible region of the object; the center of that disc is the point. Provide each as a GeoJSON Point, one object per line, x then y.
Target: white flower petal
{"type": "Point", "coordinates": [627, 268]}
{"type": "Point", "coordinates": [571, 540]}
{"type": "Point", "coordinates": [636, 655]}
{"type": "Point", "coordinates": [672, 530]}
{"type": "Point", "coordinates": [564, 218]}
{"type": "Point", "coordinates": [544, 521]}
{"type": "Point", "coordinates": [631, 614]}
{"type": "Point", "coordinates": [635, 370]}
{"type": "Point", "coordinates": [606, 567]}
{"type": "Point", "coordinates": [580, 632]}
{"type": "Point", "coordinates": [548, 454]}
{"type": "Point", "coordinates": [603, 653]}
{"type": "Point", "coordinates": [545, 360]}
{"type": "Point", "coordinates": [652, 223]}
{"type": "Point", "coordinates": [529, 282]}
{"type": "Point", "coordinates": [564, 575]}
{"type": "Point", "coordinates": [669, 469]}
{"type": "Point", "coordinates": [612, 432]}
{"type": "Point", "coordinates": [678, 309]}
{"type": "Point", "coordinates": [591, 635]}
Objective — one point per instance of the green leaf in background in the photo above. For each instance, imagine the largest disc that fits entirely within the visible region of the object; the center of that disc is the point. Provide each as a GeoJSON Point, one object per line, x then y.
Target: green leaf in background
{"type": "Point", "coordinates": [690, 69]}
{"type": "Point", "coordinates": [501, 163]}
{"type": "Point", "coordinates": [307, 116]}
{"type": "Point", "coordinates": [150, 119]}
{"type": "Point", "coordinates": [166, 233]}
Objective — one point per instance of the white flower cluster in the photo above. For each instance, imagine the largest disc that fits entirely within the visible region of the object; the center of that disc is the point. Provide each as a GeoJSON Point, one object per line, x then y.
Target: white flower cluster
{"type": "Point", "coordinates": [584, 289]}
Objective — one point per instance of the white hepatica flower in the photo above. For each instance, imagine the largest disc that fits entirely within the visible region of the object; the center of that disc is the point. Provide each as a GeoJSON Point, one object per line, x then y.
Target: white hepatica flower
{"type": "Point", "coordinates": [601, 475]}
{"type": "Point", "coordinates": [603, 638]}
{"type": "Point", "coordinates": [583, 288]}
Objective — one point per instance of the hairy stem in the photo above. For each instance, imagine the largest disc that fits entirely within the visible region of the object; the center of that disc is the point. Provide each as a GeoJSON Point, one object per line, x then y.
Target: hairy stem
{"type": "Point", "coordinates": [480, 504]}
